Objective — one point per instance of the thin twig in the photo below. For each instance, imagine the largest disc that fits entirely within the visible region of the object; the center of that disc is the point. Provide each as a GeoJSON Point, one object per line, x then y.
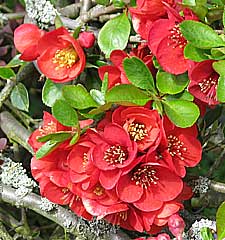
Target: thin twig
{"type": "Point", "coordinates": [4, 94]}
{"type": "Point", "coordinates": [217, 186]}
{"type": "Point", "coordinates": [60, 215]}
{"type": "Point", "coordinates": [14, 130]}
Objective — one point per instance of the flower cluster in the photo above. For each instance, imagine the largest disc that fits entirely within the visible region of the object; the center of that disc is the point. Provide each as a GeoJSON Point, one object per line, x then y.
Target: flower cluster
{"type": "Point", "coordinates": [59, 56]}
{"type": "Point", "coordinates": [128, 169]}
{"type": "Point", "coordinates": [159, 23]}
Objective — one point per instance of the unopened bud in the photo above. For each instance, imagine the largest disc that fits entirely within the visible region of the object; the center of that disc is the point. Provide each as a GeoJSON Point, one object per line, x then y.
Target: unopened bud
{"type": "Point", "coordinates": [86, 39]}
{"type": "Point", "coordinates": [176, 225]}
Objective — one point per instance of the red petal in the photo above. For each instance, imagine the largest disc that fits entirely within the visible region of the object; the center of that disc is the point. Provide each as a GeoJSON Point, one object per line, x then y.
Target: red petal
{"type": "Point", "coordinates": [167, 55]}
{"type": "Point", "coordinates": [148, 203]}
{"type": "Point", "coordinates": [109, 179]}
{"type": "Point", "coordinates": [126, 189]}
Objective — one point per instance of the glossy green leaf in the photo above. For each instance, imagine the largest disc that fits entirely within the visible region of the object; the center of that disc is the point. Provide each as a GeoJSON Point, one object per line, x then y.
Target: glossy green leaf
{"type": "Point", "coordinates": [219, 66]}
{"type": "Point", "coordinates": [16, 62]}
{"type": "Point", "coordinates": [220, 223]}
{"type": "Point", "coordinates": [58, 22]}
{"type": "Point", "coordinates": [138, 73]}
{"type": "Point", "coordinates": [127, 94]}
{"type": "Point", "coordinates": [64, 113]}
{"type": "Point", "coordinates": [76, 32]}
{"type": "Point", "coordinates": [105, 83]}
{"type": "Point", "coordinates": [58, 137]}
{"type": "Point", "coordinates": [181, 112]}
{"type": "Point", "coordinates": [103, 2]}
{"type": "Point", "coordinates": [51, 92]}
{"type": "Point", "coordinates": [19, 97]}
{"type": "Point", "coordinates": [118, 3]}
{"type": "Point", "coordinates": [98, 96]}
{"type": "Point", "coordinates": [195, 54]}
{"type": "Point", "coordinates": [114, 34]}
{"type": "Point", "coordinates": [100, 109]}
{"type": "Point", "coordinates": [189, 2]}
{"type": "Point", "coordinates": [78, 97]}
{"type": "Point", "coordinates": [220, 91]}
{"type": "Point", "coordinates": [200, 35]}
{"type": "Point", "coordinates": [45, 149]}
{"type": "Point", "coordinates": [171, 84]}
{"type": "Point", "coordinates": [6, 73]}
{"type": "Point", "coordinates": [75, 138]}
{"type": "Point", "coordinates": [181, 96]}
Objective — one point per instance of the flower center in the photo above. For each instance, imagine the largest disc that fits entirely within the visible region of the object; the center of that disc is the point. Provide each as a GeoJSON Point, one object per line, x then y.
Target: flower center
{"type": "Point", "coordinates": [98, 190]}
{"type": "Point", "coordinates": [145, 176]}
{"type": "Point", "coordinates": [176, 147]}
{"type": "Point", "coordinates": [137, 131]}
{"type": "Point", "coordinates": [115, 154]}
{"type": "Point", "coordinates": [208, 86]}
{"type": "Point", "coordinates": [85, 160]}
{"type": "Point", "coordinates": [177, 38]}
{"type": "Point", "coordinates": [65, 57]}
{"type": "Point", "coordinates": [47, 129]}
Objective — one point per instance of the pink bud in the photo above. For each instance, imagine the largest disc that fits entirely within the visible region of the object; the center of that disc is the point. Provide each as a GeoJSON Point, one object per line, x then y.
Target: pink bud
{"type": "Point", "coordinates": [86, 39]}
{"type": "Point", "coordinates": [163, 236]}
{"type": "Point", "coordinates": [176, 226]}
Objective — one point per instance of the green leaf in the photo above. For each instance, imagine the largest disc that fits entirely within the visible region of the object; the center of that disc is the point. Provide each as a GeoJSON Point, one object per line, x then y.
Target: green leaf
{"type": "Point", "coordinates": [114, 34]}
{"type": "Point", "coordinates": [75, 138]}
{"type": "Point", "coordinates": [189, 2]}
{"type": "Point", "coordinates": [217, 53]}
{"type": "Point", "coordinates": [19, 97]}
{"type": "Point", "coordinates": [219, 67]}
{"type": "Point", "coordinates": [51, 92]}
{"type": "Point", "coordinates": [45, 149]}
{"type": "Point", "coordinates": [105, 83]}
{"type": "Point", "coordinates": [16, 62]}
{"type": "Point", "coordinates": [200, 35]}
{"type": "Point", "coordinates": [127, 95]}
{"type": "Point", "coordinates": [103, 2]}
{"type": "Point", "coordinates": [58, 22]}
{"type": "Point", "coordinates": [76, 32]}
{"type": "Point", "coordinates": [98, 96]}
{"type": "Point", "coordinates": [195, 54]}
{"type": "Point", "coordinates": [118, 3]}
{"type": "Point", "coordinates": [181, 96]}
{"type": "Point", "coordinates": [169, 83]}
{"type": "Point", "coordinates": [64, 113]}
{"type": "Point", "coordinates": [182, 113]}
{"type": "Point", "coordinates": [206, 234]}
{"type": "Point", "coordinates": [6, 73]}
{"type": "Point", "coordinates": [138, 73]}
{"type": "Point", "coordinates": [220, 223]}
{"type": "Point", "coordinates": [224, 17]}
{"type": "Point", "coordinates": [78, 97]}
{"type": "Point", "coordinates": [100, 109]}
{"type": "Point", "coordinates": [57, 137]}
{"type": "Point", "coordinates": [220, 92]}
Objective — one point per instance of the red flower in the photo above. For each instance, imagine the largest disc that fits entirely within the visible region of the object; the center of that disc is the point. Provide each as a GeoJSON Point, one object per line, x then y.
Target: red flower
{"type": "Point", "coordinates": [204, 80]}
{"type": "Point", "coordinates": [146, 12]}
{"type": "Point", "coordinates": [183, 146]}
{"type": "Point", "coordinates": [143, 125]}
{"type": "Point", "coordinates": [50, 125]}
{"type": "Point", "coordinates": [26, 38]}
{"type": "Point", "coordinates": [114, 154]}
{"type": "Point", "coordinates": [176, 226]}
{"type": "Point", "coordinates": [59, 56]}
{"type": "Point", "coordinates": [116, 74]}
{"type": "Point", "coordinates": [153, 184]}
{"type": "Point", "coordinates": [167, 42]}
{"type": "Point", "coordinates": [62, 59]}
{"type": "Point", "coordinates": [86, 39]}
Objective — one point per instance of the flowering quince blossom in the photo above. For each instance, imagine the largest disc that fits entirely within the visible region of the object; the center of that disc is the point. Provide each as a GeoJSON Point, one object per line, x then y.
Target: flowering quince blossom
{"type": "Point", "coordinates": [203, 82]}
{"type": "Point", "coordinates": [143, 125]}
{"type": "Point", "coordinates": [146, 12]}
{"type": "Point", "coordinates": [50, 125]}
{"type": "Point", "coordinates": [26, 38]}
{"type": "Point", "coordinates": [59, 56]}
{"type": "Point", "coordinates": [167, 42]}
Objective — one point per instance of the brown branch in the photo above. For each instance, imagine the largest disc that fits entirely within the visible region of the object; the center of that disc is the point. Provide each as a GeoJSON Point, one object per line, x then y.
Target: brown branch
{"type": "Point", "coordinates": [59, 215]}
{"type": "Point", "coordinates": [14, 130]}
